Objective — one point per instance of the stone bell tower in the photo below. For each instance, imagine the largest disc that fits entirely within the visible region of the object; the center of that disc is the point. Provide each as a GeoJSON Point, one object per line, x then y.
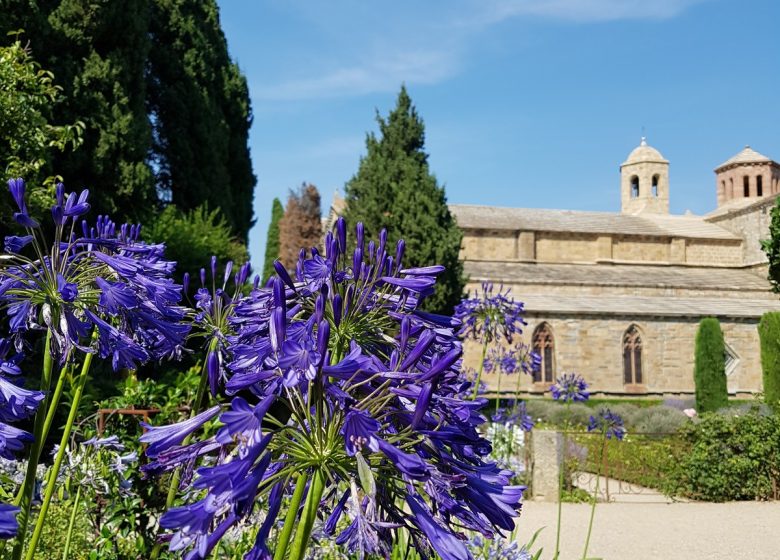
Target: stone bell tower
{"type": "Point", "coordinates": [644, 181]}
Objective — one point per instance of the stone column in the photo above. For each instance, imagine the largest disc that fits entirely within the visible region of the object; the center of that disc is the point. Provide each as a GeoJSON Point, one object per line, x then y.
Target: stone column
{"type": "Point", "coordinates": [547, 464]}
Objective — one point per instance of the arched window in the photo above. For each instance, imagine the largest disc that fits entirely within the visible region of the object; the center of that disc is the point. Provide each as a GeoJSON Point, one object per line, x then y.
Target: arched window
{"type": "Point", "coordinates": [632, 356]}
{"type": "Point", "coordinates": [655, 185]}
{"type": "Point", "coordinates": [746, 185]}
{"type": "Point", "coordinates": [759, 185]}
{"type": "Point", "coordinates": [544, 344]}
{"type": "Point", "coordinates": [732, 194]}
{"type": "Point", "coordinates": [634, 186]}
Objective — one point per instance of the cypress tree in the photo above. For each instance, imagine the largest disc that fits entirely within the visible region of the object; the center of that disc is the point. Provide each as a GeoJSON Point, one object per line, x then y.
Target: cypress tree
{"type": "Point", "coordinates": [394, 189]}
{"type": "Point", "coordinates": [710, 366]}
{"type": "Point", "coordinates": [272, 239]}
{"type": "Point", "coordinates": [200, 108]}
{"type": "Point", "coordinates": [769, 332]}
{"type": "Point", "coordinates": [301, 225]}
{"type": "Point", "coordinates": [97, 52]}
{"type": "Point", "coordinates": [166, 111]}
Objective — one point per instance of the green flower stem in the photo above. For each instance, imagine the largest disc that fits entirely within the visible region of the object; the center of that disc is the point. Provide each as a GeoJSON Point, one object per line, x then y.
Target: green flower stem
{"type": "Point", "coordinates": [24, 498]}
{"type": "Point", "coordinates": [71, 522]}
{"type": "Point", "coordinates": [309, 515]}
{"type": "Point", "coordinates": [595, 496]}
{"type": "Point", "coordinates": [498, 392]}
{"type": "Point", "coordinates": [55, 400]}
{"type": "Point", "coordinates": [289, 520]}
{"type": "Point", "coordinates": [196, 409]}
{"type": "Point", "coordinates": [517, 391]}
{"type": "Point", "coordinates": [481, 367]}
{"type": "Point", "coordinates": [55, 470]}
{"type": "Point", "coordinates": [560, 491]}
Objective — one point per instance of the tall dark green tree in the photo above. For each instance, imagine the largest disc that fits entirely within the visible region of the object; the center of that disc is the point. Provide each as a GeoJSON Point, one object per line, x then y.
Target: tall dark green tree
{"type": "Point", "coordinates": [272, 239]}
{"type": "Point", "coordinates": [166, 112]}
{"type": "Point", "coordinates": [199, 103]}
{"type": "Point", "coordinates": [395, 189]}
{"type": "Point", "coordinates": [769, 333]}
{"type": "Point", "coordinates": [97, 52]}
{"type": "Point", "coordinates": [709, 372]}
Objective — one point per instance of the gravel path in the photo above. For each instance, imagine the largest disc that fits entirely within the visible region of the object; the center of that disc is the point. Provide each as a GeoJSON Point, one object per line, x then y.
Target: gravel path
{"type": "Point", "coordinates": [656, 531]}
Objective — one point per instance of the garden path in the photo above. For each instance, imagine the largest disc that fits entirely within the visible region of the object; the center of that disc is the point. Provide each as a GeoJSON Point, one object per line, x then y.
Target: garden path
{"type": "Point", "coordinates": [659, 531]}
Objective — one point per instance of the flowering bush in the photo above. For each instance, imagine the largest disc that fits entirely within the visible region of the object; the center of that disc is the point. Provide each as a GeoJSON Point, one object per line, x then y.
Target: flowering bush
{"type": "Point", "coordinates": [347, 410]}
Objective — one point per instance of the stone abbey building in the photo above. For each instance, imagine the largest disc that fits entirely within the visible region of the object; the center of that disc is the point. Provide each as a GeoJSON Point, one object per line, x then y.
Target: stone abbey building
{"type": "Point", "coordinates": [618, 297]}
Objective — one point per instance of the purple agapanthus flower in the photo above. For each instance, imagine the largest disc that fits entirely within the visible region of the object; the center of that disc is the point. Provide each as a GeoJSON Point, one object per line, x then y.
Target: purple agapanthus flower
{"type": "Point", "coordinates": [489, 316]}
{"type": "Point", "coordinates": [97, 279]}
{"type": "Point", "coordinates": [570, 387]}
{"type": "Point", "coordinates": [211, 314]}
{"type": "Point", "coordinates": [161, 438]}
{"type": "Point", "coordinates": [338, 378]}
{"type": "Point", "coordinates": [608, 423]}
{"type": "Point", "coordinates": [8, 524]}
{"type": "Point", "coordinates": [12, 440]}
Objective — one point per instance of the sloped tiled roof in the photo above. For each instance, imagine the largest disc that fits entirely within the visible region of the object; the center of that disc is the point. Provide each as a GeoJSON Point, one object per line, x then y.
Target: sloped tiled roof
{"type": "Point", "coordinates": [653, 276]}
{"type": "Point", "coordinates": [694, 307]}
{"type": "Point", "coordinates": [747, 155]}
{"type": "Point", "coordinates": [575, 221]}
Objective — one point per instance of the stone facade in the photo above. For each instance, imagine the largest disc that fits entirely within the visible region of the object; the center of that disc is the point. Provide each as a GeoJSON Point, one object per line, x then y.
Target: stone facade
{"type": "Point", "coordinates": [590, 277]}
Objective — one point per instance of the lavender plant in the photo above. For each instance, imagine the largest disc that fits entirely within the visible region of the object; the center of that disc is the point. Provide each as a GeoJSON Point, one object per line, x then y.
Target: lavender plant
{"type": "Point", "coordinates": [346, 411]}
{"type": "Point", "coordinates": [93, 290]}
{"type": "Point", "coordinates": [488, 318]}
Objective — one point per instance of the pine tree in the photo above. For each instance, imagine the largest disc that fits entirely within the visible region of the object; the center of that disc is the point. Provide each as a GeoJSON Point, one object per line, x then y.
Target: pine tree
{"type": "Point", "coordinates": [301, 225]}
{"type": "Point", "coordinates": [769, 332]}
{"type": "Point", "coordinates": [394, 189]}
{"type": "Point", "coordinates": [272, 239]}
{"type": "Point", "coordinates": [199, 101]}
{"type": "Point", "coordinates": [710, 367]}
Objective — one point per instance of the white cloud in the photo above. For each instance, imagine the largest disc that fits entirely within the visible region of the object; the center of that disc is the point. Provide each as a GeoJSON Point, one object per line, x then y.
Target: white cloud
{"type": "Point", "coordinates": [434, 43]}
{"type": "Point", "coordinates": [494, 11]}
{"type": "Point", "coordinates": [383, 72]}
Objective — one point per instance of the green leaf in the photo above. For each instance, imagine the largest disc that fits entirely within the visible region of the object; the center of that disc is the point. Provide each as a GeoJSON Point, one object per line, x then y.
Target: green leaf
{"type": "Point", "coordinates": [366, 475]}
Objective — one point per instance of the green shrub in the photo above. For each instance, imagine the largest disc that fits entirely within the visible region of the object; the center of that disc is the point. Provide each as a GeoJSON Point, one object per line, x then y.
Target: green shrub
{"type": "Point", "coordinates": [191, 239]}
{"type": "Point", "coordinates": [709, 371]}
{"type": "Point", "coordinates": [638, 459]}
{"type": "Point", "coordinates": [732, 457]}
{"type": "Point", "coordinates": [769, 331]}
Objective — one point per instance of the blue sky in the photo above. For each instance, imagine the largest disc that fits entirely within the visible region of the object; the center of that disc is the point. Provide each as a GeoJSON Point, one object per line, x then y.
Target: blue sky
{"type": "Point", "coordinates": [531, 103]}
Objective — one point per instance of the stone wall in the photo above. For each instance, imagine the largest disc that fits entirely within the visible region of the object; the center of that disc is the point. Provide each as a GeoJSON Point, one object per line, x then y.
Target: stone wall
{"type": "Point", "coordinates": [752, 224]}
{"type": "Point", "coordinates": [593, 347]}
{"type": "Point", "coordinates": [560, 247]}
{"type": "Point", "coordinates": [714, 252]}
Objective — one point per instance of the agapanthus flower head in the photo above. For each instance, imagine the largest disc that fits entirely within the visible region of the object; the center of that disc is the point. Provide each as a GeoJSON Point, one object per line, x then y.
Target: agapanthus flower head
{"type": "Point", "coordinates": [342, 384]}
{"type": "Point", "coordinates": [498, 549]}
{"type": "Point", "coordinates": [514, 414]}
{"type": "Point", "coordinates": [96, 288]}
{"type": "Point", "coordinates": [570, 387]}
{"type": "Point", "coordinates": [489, 316]}
{"type": "Point", "coordinates": [212, 312]}
{"type": "Point", "coordinates": [608, 423]}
